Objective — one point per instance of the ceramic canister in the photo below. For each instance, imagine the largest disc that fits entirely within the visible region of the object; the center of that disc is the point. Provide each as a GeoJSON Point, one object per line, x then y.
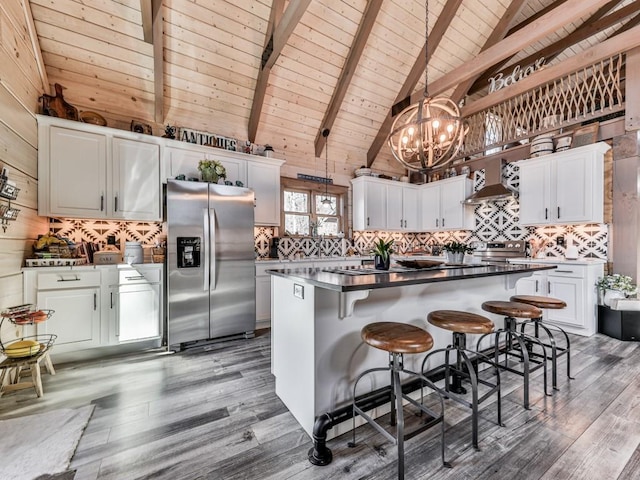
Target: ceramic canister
{"type": "Point", "coordinates": [541, 145]}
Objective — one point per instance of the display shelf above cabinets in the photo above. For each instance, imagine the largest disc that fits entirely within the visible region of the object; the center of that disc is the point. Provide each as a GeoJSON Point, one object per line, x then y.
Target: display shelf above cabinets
{"type": "Point", "coordinates": [563, 188]}
{"type": "Point", "coordinates": [88, 171]}
{"type": "Point", "coordinates": [385, 205]}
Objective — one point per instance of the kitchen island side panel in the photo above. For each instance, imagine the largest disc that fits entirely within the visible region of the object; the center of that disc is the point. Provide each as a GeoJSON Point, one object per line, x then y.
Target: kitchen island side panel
{"type": "Point", "coordinates": [329, 351]}
{"type": "Point", "coordinates": [293, 349]}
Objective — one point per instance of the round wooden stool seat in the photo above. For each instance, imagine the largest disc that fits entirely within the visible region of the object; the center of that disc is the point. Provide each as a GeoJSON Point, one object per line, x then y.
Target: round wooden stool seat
{"type": "Point", "coordinates": [460, 322]}
{"type": "Point", "coordinates": [540, 302]}
{"type": "Point", "coordinates": [397, 337]}
{"type": "Point", "coordinates": [512, 309]}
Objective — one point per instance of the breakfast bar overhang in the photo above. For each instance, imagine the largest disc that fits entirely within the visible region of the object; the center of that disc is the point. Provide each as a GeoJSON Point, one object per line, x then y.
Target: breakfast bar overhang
{"type": "Point", "coordinates": [317, 316]}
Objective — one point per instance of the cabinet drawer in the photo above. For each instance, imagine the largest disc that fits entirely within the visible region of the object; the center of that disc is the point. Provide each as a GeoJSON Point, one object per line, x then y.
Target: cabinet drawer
{"type": "Point", "coordinates": [133, 276]}
{"type": "Point", "coordinates": [60, 280]}
{"type": "Point", "coordinates": [575, 271]}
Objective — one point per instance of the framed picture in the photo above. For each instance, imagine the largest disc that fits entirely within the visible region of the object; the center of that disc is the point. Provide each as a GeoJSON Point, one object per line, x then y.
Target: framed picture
{"type": "Point", "coordinates": [585, 135]}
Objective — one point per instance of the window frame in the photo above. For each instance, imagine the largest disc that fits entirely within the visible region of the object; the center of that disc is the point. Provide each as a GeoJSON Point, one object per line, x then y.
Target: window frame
{"type": "Point", "coordinates": [313, 189]}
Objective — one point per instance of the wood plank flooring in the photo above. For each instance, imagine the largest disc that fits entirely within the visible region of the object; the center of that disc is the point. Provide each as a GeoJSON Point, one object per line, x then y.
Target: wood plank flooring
{"type": "Point", "coordinates": [212, 414]}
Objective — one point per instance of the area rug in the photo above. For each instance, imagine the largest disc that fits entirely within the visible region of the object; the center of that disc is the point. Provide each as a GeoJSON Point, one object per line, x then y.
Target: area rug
{"type": "Point", "coordinates": [41, 444]}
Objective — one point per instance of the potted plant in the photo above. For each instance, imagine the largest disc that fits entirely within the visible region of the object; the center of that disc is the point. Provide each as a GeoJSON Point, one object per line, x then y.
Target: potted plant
{"type": "Point", "coordinates": [455, 251]}
{"type": "Point", "coordinates": [615, 286]}
{"type": "Point", "coordinates": [211, 170]}
{"type": "Point", "coordinates": [382, 251]}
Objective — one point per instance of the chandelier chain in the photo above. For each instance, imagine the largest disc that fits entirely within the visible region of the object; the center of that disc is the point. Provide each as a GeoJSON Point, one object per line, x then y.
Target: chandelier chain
{"type": "Point", "coordinates": [426, 48]}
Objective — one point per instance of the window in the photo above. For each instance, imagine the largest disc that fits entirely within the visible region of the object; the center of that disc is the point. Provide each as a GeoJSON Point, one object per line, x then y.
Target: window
{"type": "Point", "coordinates": [309, 211]}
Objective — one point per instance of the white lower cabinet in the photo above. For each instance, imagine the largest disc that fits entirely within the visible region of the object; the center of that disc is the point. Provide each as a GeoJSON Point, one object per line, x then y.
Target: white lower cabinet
{"type": "Point", "coordinates": [135, 304]}
{"type": "Point", "coordinates": [76, 321]}
{"type": "Point", "coordinates": [97, 306]}
{"type": "Point", "coordinates": [575, 285]}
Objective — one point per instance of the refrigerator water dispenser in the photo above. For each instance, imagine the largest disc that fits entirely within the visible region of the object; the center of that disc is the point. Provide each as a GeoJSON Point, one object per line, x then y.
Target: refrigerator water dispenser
{"type": "Point", "coordinates": [188, 252]}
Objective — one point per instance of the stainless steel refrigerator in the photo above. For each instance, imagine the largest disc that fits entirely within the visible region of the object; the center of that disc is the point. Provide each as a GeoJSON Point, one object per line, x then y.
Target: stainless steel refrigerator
{"type": "Point", "coordinates": [210, 262]}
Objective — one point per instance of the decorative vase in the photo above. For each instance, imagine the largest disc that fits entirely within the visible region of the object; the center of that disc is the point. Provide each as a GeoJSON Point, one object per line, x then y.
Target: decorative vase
{"type": "Point", "coordinates": [454, 257]}
{"type": "Point", "coordinates": [610, 295]}
{"type": "Point", "coordinates": [209, 175]}
{"type": "Point", "coordinates": [381, 264]}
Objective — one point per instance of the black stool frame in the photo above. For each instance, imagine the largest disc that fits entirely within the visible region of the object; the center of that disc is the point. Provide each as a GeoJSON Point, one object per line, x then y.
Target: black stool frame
{"type": "Point", "coordinates": [454, 389]}
{"type": "Point", "coordinates": [556, 351]}
{"type": "Point", "coordinates": [396, 366]}
{"type": "Point", "coordinates": [520, 346]}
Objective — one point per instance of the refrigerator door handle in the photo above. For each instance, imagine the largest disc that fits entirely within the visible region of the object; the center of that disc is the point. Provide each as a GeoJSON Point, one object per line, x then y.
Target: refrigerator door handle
{"type": "Point", "coordinates": [205, 225]}
{"type": "Point", "coordinates": [212, 248]}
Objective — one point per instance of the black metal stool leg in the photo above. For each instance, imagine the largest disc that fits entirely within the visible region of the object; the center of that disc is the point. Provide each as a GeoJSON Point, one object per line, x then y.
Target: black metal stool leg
{"type": "Point", "coordinates": [397, 391]}
{"type": "Point", "coordinates": [459, 343]}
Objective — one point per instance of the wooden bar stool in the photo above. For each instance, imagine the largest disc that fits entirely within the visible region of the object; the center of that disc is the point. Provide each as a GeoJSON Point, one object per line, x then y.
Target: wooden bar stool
{"type": "Point", "coordinates": [12, 367]}
{"type": "Point", "coordinates": [398, 339]}
{"type": "Point", "coordinates": [518, 345]}
{"type": "Point", "coordinates": [461, 323]}
{"type": "Point", "coordinates": [548, 328]}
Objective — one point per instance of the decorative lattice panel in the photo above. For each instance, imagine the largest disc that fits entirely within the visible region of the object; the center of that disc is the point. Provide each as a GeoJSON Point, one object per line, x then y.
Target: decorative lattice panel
{"type": "Point", "coordinates": [589, 93]}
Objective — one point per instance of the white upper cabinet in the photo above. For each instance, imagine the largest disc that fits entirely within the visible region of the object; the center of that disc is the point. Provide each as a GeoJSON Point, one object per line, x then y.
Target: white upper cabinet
{"type": "Point", "coordinates": [388, 205]}
{"type": "Point", "coordinates": [563, 188]}
{"type": "Point", "coordinates": [384, 205]}
{"type": "Point", "coordinates": [369, 204]}
{"type": "Point", "coordinates": [135, 180]}
{"type": "Point", "coordinates": [264, 179]}
{"type": "Point", "coordinates": [260, 174]}
{"type": "Point", "coordinates": [77, 165]}
{"type": "Point", "coordinates": [87, 171]}
{"type": "Point", "coordinates": [182, 158]}
{"type": "Point", "coordinates": [442, 207]}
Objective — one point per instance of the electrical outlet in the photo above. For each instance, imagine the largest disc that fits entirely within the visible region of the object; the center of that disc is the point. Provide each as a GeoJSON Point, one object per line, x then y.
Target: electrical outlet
{"type": "Point", "coordinates": [560, 241]}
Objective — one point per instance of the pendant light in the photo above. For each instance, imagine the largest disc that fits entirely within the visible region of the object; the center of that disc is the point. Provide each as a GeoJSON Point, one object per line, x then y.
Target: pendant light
{"type": "Point", "coordinates": [326, 200]}
{"type": "Point", "coordinates": [429, 133]}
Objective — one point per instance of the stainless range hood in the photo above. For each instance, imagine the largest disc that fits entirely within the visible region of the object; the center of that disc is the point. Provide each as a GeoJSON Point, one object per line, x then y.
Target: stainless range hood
{"type": "Point", "coordinates": [494, 189]}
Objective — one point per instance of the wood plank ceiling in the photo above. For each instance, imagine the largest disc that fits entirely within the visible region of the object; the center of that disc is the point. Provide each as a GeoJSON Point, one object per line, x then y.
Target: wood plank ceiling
{"type": "Point", "coordinates": [337, 63]}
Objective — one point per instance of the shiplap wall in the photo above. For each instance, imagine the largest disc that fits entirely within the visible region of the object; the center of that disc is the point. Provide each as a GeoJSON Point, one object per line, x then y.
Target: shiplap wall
{"type": "Point", "coordinates": [20, 87]}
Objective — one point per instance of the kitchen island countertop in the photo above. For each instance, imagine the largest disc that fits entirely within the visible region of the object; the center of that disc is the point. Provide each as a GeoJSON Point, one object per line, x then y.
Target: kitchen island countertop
{"type": "Point", "coordinates": [338, 280]}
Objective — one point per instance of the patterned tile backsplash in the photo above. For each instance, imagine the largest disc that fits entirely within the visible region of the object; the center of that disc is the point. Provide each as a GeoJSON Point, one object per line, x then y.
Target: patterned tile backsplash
{"type": "Point", "coordinates": [494, 222]}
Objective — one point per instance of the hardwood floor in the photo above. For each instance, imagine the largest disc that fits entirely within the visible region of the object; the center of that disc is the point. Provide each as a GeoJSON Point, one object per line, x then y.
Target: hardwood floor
{"type": "Point", "coordinates": [214, 415]}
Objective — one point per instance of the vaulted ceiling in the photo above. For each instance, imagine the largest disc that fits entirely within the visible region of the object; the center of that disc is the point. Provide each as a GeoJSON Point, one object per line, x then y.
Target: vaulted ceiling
{"type": "Point", "coordinates": [278, 72]}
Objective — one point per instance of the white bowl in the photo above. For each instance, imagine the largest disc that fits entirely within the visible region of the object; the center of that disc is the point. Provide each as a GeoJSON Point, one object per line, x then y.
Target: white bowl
{"type": "Point", "coordinates": [363, 172]}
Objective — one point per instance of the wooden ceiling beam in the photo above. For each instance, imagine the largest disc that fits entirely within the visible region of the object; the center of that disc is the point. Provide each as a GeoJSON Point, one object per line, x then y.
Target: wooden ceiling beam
{"type": "Point", "coordinates": [280, 33]}
{"type": "Point", "coordinates": [146, 11]}
{"type": "Point", "coordinates": [353, 58]}
{"type": "Point", "coordinates": [549, 23]}
{"type": "Point", "coordinates": [550, 51]}
{"type": "Point", "coordinates": [500, 32]}
{"type": "Point", "coordinates": [535, 16]}
{"type": "Point", "coordinates": [158, 60]}
{"type": "Point", "coordinates": [585, 31]}
{"type": "Point", "coordinates": [35, 44]}
{"type": "Point", "coordinates": [435, 36]}
{"type": "Point", "coordinates": [621, 42]}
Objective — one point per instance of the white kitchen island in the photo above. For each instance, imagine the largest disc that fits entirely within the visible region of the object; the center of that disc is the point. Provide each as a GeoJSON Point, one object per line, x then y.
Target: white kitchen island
{"type": "Point", "coordinates": [317, 316]}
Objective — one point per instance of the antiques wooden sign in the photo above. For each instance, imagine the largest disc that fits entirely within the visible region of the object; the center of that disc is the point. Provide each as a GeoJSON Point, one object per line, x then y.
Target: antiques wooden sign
{"type": "Point", "coordinates": [500, 81]}
{"type": "Point", "coordinates": [207, 139]}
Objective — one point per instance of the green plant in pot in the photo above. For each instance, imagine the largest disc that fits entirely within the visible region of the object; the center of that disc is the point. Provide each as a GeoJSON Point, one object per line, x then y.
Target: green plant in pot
{"type": "Point", "coordinates": [382, 251]}
{"type": "Point", "coordinates": [455, 251]}
{"type": "Point", "coordinates": [211, 170]}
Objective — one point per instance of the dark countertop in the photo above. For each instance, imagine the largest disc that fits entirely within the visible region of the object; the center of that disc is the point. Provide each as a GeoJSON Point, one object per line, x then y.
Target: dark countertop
{"type": "Point", "coordinates": [329, 279]}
